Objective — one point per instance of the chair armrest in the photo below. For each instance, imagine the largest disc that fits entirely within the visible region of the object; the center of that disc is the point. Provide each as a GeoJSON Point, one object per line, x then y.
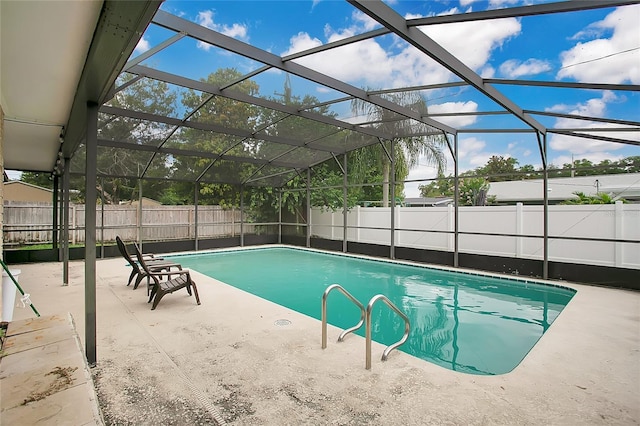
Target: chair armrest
{"type": "Point", "coordinates": [157, 266]}
{"type": "Point", "coordinates": [170, 273]}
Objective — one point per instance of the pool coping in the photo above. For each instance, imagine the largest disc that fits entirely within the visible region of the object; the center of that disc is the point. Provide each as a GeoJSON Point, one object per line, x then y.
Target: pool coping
{"type": "Point", "coordinates": [583, 371]}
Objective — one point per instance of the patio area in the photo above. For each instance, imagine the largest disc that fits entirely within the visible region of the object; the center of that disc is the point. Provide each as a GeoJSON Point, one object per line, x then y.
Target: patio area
{"type": "Point", "coordinates": [229, 362]}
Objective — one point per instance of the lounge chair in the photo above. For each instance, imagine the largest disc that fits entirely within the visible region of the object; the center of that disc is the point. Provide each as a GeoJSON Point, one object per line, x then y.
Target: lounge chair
{"type": "Point", "coordinates": [154, 263]}
{"type": "Point", "coordinates": [160, 287]}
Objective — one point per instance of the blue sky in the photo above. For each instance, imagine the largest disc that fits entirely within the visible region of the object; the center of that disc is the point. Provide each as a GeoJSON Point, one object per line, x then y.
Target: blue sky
{"type": "Point", "coordinates": [597, 46]}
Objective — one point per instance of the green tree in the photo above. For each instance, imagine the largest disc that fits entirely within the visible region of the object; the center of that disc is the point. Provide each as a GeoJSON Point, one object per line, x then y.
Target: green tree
{"type": "Point", "coordinates": [473, 191]}
{"type": "Point", "coordinates": [38, 178]}
{"type": "Point", "coordinates": [226, 113]}
{"type": "Point", "coordinates": [499, 169]}
{"type": "Point", "coordinates": [407, 148]}
{"type": "Point", "coordinates": [442, 187]}
{"type": "Point", "coordinates": [145, 95]}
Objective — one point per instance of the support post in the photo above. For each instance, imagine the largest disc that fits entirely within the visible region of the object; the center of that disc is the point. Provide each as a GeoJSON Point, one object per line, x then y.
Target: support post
{"type": "Point", "coordinates": [195, 214]}
{"type": "Point", "coordinates": [242, 216]}
{"type": "Point", "coordinates": [308, 207]}
{"type": "Point", "coordinates": [61, 215]}
{"type": "Point", "coordinates": [280, 216]}
{"type": "Point", "coordinates": [392, 179]}
{"type": "Point", "coordinates": [65, 225]}
{"type": "Point", "coordinates": [456, 204]}
{"type": "Point", "coordinates": [519, 229]}
{"type": "Point", "coordinates": [91, 163]}
{"type": "Point", "coordinates": [545, 189]}
{"type": "Point", "coordinates": [345, 204]}
{"type": "Point", "coordinates": [101, 218]}
{"type": "Point", "coordinates": [140, 228]}
{"type": "Point", "coordinates": [54, 219]}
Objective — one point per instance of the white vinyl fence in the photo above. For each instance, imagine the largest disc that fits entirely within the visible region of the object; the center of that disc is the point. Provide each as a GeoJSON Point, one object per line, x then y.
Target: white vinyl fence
{"type": "Point", "coordinates": [429, 227]}
{"type": "Point", "coordinates": [32, 222]}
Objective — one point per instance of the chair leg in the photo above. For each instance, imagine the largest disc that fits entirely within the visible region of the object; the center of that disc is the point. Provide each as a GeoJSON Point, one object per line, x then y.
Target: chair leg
{"type": "Point", "coordinates": [154, 290]}
{"type": "Point", "coordinates": [133, 274]}
{"type": "Point", "coordinates": [139, 280]}
{"type": "Point", "coordinates": [156, 300]}
{"type": "Point", "coordinates": [195, 291]}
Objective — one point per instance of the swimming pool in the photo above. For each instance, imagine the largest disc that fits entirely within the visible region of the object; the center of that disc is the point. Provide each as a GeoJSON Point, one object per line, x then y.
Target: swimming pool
{"type": "Point", "coordinates": [464, 322]}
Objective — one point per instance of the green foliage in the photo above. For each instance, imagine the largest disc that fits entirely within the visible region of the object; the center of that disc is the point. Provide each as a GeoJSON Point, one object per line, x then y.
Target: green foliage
{"type": "Point", "coordinates": [442, 187]}
{"type": "Point", "coordinates": [584, 167]}
{"type": "Point", "coordinates": [472, 190]}
{"type": "Point", "coordinates": [407, 149]}
{"type": "Point", "coordinates": [42, 180]}
{"type": "Point", "coordinates": [600, 198]}
{"type": "Point", "coordinates": [499, 169]}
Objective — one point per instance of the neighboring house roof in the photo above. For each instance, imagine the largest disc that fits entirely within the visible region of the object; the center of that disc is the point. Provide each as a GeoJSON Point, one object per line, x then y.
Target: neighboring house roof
{"type": "Point", "coordinates": [17, 190]}
{"type": "Point", "coordinates": [427, 201]}
{"type": "Point", "coordinates": [624, 185]}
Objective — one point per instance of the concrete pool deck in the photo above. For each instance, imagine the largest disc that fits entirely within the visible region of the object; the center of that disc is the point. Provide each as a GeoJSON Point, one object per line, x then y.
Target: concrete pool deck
{"type": "Point", "coordinates": [229, 362]}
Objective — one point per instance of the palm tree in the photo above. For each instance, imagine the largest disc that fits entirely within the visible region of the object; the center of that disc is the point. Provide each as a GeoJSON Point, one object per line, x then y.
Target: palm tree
{"type": "Point", "coordinates": [408, 149]}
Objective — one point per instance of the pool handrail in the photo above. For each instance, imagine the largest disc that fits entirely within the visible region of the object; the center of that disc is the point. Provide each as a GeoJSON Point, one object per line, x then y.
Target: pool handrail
{"type": "Point", "coordinates": [367, 328]}
{"type": "Point", "coordinates": [324, 313]}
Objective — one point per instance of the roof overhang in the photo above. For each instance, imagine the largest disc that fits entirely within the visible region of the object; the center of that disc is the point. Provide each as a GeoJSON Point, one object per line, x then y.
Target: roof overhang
{"type": "Point", "coordinates": [56, 57]}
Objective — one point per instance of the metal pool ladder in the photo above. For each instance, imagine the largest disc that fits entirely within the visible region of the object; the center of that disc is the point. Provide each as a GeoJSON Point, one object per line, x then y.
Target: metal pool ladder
{"type": "Point", "coordinates": [367, 328]}
{"type": "Point", "coordinates": [365, 314]}
{"type": "Point", "coordinates": [324, 313]}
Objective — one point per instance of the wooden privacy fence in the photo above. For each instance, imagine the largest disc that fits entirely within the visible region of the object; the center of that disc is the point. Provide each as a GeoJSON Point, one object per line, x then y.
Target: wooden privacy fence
{"type": "Point", "coordinates": [32, 223]}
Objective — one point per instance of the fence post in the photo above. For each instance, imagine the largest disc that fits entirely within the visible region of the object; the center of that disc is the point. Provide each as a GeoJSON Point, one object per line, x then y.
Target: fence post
{"type": "Point", "coordinates": [618, 223]}
{"type": "Point", "coordinates": [233, 221]}
{"type": "Point", "coordinates": [333, 222]}
{"type": "Point", "coordinates": [74, 224]}
{"type": "Point", "coordinates": [358, 223]}
{"type": "Point", "coordinates": [519, 229]}
{"type": "Point", "coordinates": [451, 227]}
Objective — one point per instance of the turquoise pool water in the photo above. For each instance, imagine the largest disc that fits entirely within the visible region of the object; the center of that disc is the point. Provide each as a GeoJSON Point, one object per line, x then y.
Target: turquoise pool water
{"type": "Point", "coordinates": [463, 322]}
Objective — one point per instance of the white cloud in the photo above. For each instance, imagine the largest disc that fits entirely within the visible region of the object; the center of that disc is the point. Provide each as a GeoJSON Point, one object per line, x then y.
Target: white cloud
{"type": "Point", "coordinates": [142, 46]}
{"type": "Point", "coordinates": [487, 72]}
{"type": "Point", "coordinates": [419, 172]}
{"type": "Point", "coordinates": [352, 58]}
{"type": "Point", "coordinates": [470, 146]}
{"type": "Point", "coordinates": [514, 68]}
{"type": "Point", "coordinates": [452, 11]}
{"type": "Point", "coordinates": [364, 21]}
{"type": "Point", "coordinates": [205, 18]}
{"type": "Point", "coordinates": [407, 66]}
{"type": "Point", "coordinates": [457, 121]}
{"type": "Point", "coordinates": [476, 50]}
{"type": "Point", "coordinates": [595, 107]}
{"type": "Point", "coordinates": [583, 63]}
{"type": "Point", "coordinates": [492, 3]}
